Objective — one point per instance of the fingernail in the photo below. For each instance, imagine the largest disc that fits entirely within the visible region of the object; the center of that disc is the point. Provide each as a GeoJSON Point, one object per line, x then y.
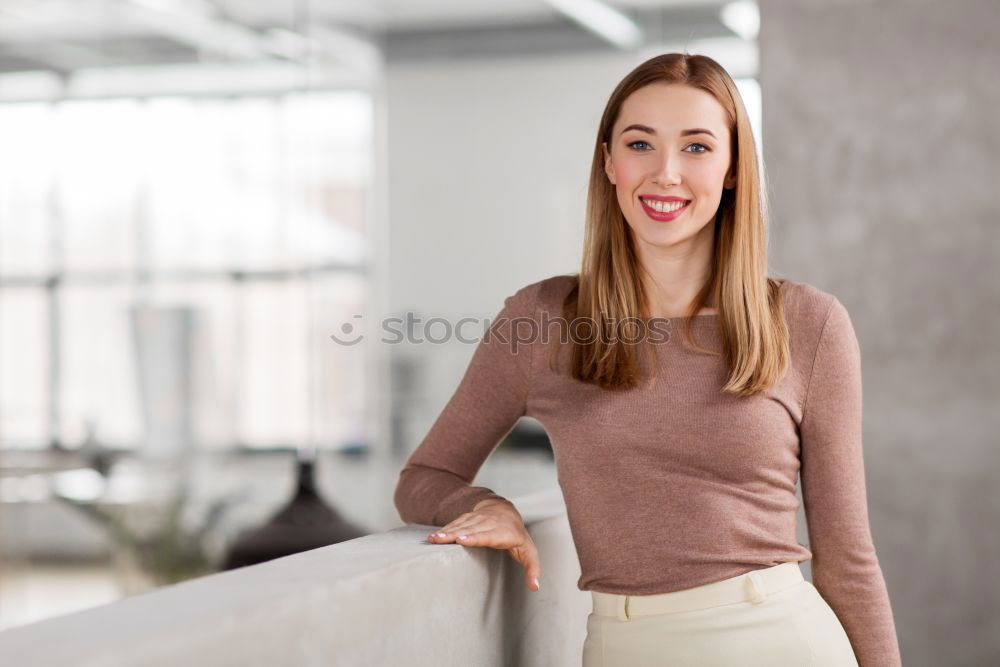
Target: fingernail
{"type": "Point", "coordinates": [438, 535]}
{"type": "Point", "coordinates": [463, 537]}
{"type": "Point", "coordinates": [537, 585]}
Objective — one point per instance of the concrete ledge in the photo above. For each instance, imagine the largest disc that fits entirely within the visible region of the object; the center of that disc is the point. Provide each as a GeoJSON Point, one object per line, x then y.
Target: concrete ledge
{"type": "Point", "coordinates": [385, 599]}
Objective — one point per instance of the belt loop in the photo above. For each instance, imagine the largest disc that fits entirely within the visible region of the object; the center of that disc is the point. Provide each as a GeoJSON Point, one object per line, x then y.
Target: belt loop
{"type": "Point", "coordinates": [625, 609]}
{"type": "Point", "coordinates": [757, 588]}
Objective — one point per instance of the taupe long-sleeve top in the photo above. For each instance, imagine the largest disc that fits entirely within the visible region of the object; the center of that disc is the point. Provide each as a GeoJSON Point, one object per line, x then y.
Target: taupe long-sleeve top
{"type": "Point", "coordinates": [676, 484]}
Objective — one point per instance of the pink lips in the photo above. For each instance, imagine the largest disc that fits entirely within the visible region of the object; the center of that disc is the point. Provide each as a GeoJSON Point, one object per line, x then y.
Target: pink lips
{"type": "Point", "coordinates": [664, 217]}
{"type": "Point", "coordinates": [662, 198]}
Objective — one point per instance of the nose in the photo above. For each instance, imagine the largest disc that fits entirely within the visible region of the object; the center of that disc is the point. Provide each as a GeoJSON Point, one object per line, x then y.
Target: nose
{"type": "Point", "coordinates": [667, 171]}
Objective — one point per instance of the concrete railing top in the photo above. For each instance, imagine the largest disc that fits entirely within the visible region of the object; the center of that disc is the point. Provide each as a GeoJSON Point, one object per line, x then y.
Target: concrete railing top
{"type": "Point", "coordinates": [384, 599]}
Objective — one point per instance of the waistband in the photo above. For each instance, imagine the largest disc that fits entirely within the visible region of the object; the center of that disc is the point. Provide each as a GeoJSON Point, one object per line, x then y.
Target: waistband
{"type": "Point", "coordinates": [752, 586]}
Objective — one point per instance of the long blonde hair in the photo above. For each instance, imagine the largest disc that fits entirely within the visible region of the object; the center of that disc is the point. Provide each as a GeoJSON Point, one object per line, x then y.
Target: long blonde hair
{"type": "Point", "coordinates": [751, 324]}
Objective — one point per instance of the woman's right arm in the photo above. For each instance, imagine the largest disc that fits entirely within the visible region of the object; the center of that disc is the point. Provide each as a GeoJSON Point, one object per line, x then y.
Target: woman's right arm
{"type": "Point", "coordinates": [434, 485]}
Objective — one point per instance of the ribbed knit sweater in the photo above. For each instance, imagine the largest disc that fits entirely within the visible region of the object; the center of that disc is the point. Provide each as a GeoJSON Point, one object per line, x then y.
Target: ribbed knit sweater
{"type": "Point", "coordinates": [675, 484]}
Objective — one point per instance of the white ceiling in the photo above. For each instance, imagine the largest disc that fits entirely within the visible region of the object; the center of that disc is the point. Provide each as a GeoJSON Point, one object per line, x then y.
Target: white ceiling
{"type": "Point", "coordinates": [67, 35]}
{"type": "Point", "coordinates": [393, 15]}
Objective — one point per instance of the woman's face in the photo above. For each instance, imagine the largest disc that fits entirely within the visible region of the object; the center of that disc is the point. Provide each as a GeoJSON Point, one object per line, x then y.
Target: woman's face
{"type": "Point", "coordinates": [653, 153]}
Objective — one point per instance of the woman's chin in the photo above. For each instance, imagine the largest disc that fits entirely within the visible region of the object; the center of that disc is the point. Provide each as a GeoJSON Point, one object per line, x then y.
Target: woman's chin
{"type": "Point", "coordinates": [660, 235]}
{"type": "Point", "coordinates": [664, 234]}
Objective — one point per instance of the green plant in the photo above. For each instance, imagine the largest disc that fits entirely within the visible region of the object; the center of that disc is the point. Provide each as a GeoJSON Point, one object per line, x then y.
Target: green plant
{"type": "Point", "coordinates": [164, 548]}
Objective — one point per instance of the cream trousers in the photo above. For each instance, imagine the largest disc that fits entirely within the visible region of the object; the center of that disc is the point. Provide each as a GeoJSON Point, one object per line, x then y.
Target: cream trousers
{"type": "Point", "coordinates": [770, 617]}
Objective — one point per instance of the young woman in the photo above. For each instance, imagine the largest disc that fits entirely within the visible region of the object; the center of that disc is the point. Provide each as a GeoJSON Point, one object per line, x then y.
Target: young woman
{"type": "Point", "coordinates": [678, 454]}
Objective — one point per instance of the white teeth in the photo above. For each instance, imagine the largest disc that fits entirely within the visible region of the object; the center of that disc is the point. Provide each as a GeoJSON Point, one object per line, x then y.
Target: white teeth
{"type": "Point", "coordinates": [664, 207]}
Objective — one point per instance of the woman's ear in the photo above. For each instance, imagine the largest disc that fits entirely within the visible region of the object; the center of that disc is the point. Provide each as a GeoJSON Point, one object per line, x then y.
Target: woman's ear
{"type": "Point", "coordinates": [609, 168]}
{"type": "Point", "coordinates": [730, 182]}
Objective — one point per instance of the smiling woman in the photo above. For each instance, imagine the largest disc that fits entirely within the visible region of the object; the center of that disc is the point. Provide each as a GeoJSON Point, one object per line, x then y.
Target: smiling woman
{"type": "Point", "coordinates": [679, 461]}
{"type": "Point", "coordinates": [668, 235]}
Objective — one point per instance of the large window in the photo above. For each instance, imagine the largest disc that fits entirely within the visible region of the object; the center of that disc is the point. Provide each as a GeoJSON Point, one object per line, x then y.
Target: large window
{"type": "Point", "coordinates": [171, 269]}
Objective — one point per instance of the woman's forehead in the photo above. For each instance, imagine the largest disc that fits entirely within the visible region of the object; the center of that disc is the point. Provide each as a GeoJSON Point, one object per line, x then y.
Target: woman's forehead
{"type": "Point", "coordinates": [671, 108]}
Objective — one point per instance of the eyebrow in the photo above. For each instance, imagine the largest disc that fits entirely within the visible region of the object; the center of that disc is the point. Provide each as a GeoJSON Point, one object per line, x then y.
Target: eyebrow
{"type": "Point", "coordinates": [684, 133]}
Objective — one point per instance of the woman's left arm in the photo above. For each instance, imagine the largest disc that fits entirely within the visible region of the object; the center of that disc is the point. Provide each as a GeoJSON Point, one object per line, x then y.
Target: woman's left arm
{"type": "Point", "coordinates": [845, 568]}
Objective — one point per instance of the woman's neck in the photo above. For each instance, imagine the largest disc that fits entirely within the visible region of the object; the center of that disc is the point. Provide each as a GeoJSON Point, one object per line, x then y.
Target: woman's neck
{"type": "Point", "coordinates": [672, 277]}
{"type": "Point", "coordinates": [676, 299]}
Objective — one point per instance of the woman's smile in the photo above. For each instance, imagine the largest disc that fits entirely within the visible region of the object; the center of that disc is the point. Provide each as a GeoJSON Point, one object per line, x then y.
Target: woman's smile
{"type": "Point", "coordinates": [664, 211]}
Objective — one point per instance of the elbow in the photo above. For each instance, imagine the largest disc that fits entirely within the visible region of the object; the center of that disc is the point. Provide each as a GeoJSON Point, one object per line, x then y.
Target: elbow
{"type": "Point", "coordinates": [403, 498]}
{"type": "Point", "coordinates": [834, 568]}
{"type": "Point", "coordinates": [399, 500]}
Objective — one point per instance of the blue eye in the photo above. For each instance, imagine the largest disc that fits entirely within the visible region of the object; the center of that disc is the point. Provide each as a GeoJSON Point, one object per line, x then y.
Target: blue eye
{"type": "Point", "coordinates": [632, 145]}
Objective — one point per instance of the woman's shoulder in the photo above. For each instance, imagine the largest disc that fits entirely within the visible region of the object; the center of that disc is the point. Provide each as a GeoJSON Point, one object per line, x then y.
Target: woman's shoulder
{"type": "Point", "coordinates": [547, 294]}
{"type": "Point", "coordinates": [803, 302]}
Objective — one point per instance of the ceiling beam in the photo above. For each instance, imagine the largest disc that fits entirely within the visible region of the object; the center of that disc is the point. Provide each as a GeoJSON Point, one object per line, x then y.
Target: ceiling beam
{"type": "Point", "coordinates": [603, 20]}
{"type": "Point", "coordinates": [193, 23]}
{"type": "Point", "coordinates": [58, 56]}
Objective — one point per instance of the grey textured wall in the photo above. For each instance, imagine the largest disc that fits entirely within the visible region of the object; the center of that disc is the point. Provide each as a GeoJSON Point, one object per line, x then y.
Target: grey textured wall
{"type": "Point", "coordinates": [881, 144]}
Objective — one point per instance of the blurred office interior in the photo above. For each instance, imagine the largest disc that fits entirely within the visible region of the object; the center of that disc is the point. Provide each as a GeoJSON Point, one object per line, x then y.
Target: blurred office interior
{"type": "Point", "coordinates": [197, 196]}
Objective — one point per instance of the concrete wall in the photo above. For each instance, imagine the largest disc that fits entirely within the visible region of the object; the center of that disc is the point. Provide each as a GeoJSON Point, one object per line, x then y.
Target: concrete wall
{"type": "Point", "coordinates": [882, 156]}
